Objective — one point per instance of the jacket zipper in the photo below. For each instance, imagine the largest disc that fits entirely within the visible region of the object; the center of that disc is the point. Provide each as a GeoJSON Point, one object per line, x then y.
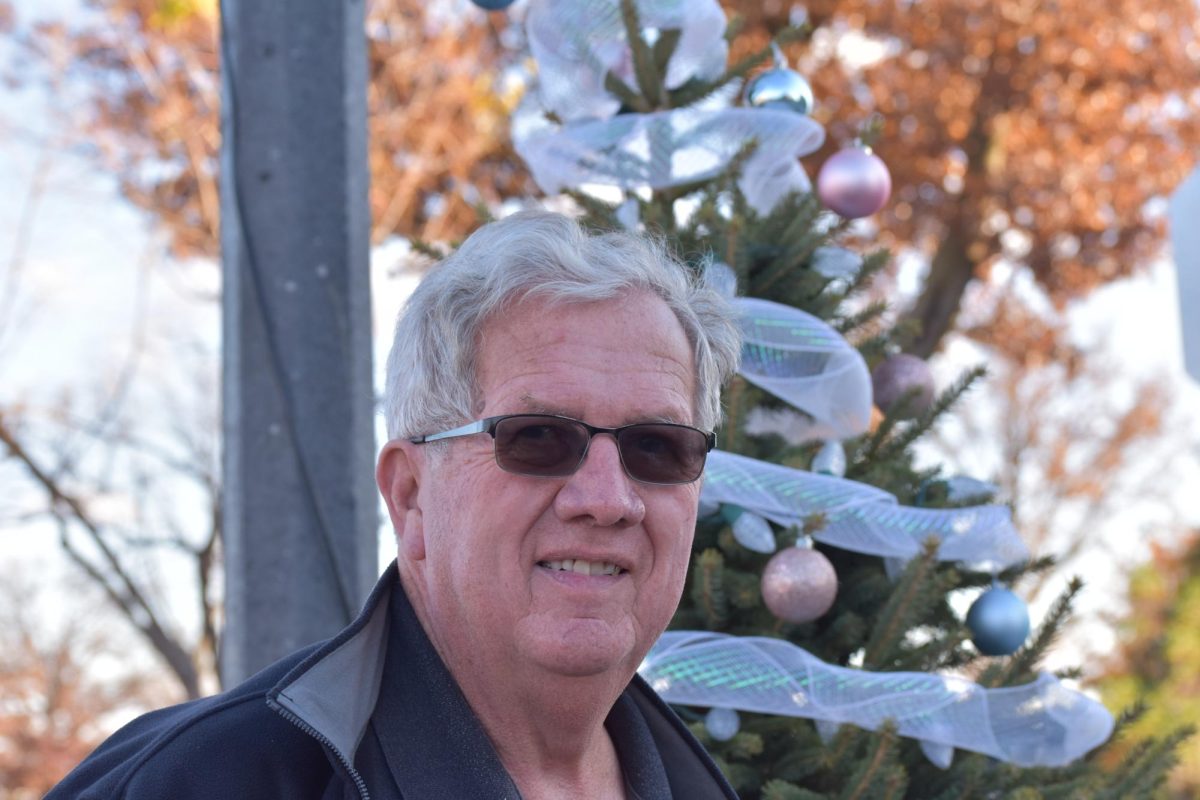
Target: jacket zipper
{"type": "Point", "coordinates": [359, 783]}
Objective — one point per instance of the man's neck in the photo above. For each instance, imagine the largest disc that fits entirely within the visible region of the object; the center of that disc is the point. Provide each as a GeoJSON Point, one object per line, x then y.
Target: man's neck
{"type": "Point", "coordinates": [553, 744]}
{"type": "Point", "coordinates": [548, 729]}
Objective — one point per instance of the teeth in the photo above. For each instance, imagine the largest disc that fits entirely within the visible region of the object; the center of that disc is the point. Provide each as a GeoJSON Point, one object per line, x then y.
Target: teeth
{"type": "Point", "coordinates": [583, 567]}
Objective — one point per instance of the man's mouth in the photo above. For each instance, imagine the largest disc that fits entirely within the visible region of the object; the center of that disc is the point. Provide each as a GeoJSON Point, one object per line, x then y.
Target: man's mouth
{"type": "Point", "coordinates": [583, 567]}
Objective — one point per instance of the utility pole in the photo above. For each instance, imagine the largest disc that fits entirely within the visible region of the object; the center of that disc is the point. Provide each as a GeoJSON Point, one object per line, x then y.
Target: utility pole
{"type": "Point", "coordinates": [299, 505]}
{"type": "Point", "coordinates": [1184, 211]}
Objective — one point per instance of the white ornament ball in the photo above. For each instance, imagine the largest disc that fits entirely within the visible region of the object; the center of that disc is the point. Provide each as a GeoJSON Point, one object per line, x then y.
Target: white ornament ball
{"type": "Point", "coordinates": [854, 182]}
{"type": "Point", "coordinates": [754, 533]}
{"type": "Point", "coordinates": [722, 723]}
{"type": "Point", "coordinates": [799, 584]}
{"type": "Point", "coordinates": [830, 459]}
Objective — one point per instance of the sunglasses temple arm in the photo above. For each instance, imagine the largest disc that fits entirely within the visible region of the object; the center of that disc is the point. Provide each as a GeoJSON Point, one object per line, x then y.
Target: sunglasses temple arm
{"type": "Point", "coordinates": [463, 430]}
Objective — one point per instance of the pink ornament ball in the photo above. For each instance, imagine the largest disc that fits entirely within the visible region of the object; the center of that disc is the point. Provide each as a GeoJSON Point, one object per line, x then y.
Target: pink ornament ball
{"type": "Point", "coordinates": [854, 182]}
{"type": "Point", "coordinates": [907, 377]}
{"type": "Point", "coordinates": [799, 584]}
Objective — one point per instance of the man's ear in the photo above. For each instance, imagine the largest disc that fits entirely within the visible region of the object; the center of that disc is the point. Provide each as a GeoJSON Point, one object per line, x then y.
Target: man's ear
{"type": "Point", "coordinates": [398, 474]}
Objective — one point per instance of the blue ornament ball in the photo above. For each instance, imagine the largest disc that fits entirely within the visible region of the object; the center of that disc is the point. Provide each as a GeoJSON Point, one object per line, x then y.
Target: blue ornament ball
{"type": "Point", "coordinates": [999, 622]}
{"type": "Point", "coordinates": [493, 5]}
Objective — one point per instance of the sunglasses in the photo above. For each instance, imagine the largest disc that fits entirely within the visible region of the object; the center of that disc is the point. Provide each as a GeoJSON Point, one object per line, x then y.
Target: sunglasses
{"type": "Point", "coordinates": [550, 446]}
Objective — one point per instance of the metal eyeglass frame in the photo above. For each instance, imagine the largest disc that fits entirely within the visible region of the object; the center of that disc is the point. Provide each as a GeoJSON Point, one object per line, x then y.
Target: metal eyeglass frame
{"type": "Point", "coordinates": [488, 425]}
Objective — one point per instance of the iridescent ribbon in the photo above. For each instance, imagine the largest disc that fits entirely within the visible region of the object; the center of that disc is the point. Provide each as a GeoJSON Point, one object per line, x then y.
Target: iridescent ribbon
{"type": "Point", "coordinates": [1042, 723]}
{"type": "Point", "coordinates": [576, 43]}
{"type": "Point", "coordinates": [665, 149]}
{"type": "Point", "coordinates": [801, 359]}
{"type": "Point", "coordinates": [860, 517]}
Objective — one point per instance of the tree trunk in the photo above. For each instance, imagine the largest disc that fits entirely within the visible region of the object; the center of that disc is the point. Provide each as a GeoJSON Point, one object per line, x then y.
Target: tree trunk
{"type": "Point", "coordinates": [935, 310]}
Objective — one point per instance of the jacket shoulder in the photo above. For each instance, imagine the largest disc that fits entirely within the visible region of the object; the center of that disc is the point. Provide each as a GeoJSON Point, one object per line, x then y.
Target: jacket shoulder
{"type": "Point", "coordinates": [229, 745]}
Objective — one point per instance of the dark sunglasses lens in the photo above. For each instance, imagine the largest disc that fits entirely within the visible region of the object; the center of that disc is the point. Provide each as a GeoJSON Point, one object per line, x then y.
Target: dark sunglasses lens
{"type": "Point", "coordinates": [663, 453]}
{"type": "Point", "coordinates": [540, 446]}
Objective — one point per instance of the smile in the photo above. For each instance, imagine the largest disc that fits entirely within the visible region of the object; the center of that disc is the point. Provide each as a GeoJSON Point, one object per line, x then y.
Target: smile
{"type": "Point", "coordinates": [583, 567]}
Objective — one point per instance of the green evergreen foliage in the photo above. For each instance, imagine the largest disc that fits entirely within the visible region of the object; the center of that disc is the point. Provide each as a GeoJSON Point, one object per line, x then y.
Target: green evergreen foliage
{"type": "Point", "coordinates": [876, 623]}
{"type": "Point", "coordinates": [1155, 672]}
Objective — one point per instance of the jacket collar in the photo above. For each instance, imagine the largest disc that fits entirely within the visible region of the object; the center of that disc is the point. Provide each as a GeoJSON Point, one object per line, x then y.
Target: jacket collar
{"type": "Point", "coordinates": [335, 689]}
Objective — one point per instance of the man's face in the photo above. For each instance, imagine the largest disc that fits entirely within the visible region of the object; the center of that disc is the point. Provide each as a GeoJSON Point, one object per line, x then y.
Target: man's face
{"type": "Point", "coordinates": [492, 540]}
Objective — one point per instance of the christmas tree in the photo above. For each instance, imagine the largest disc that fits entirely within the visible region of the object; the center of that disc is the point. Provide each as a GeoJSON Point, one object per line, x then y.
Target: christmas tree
{"type": "Point", "coordinates": [817, 651]}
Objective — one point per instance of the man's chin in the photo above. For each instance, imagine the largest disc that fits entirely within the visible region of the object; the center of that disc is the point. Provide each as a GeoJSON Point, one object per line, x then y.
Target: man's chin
{"type": "Point", "coordinates": [584, 648]}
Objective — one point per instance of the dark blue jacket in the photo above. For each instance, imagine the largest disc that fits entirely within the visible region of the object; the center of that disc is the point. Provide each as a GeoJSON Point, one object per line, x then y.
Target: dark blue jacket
{"type": "Point", "coordinates": [371, 714]}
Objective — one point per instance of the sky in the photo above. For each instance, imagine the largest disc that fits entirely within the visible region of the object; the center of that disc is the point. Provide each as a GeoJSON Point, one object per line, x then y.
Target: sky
{"type": "Point", "coordinates": [91, 262]}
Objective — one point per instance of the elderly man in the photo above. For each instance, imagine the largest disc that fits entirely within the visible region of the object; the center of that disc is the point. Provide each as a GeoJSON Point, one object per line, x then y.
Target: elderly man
{"type": "Point", "coordinates": [550, 402]}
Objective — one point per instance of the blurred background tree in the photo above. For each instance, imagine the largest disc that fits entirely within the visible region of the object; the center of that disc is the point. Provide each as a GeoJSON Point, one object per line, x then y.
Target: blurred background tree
{"type": "Point", "coordinates": [1158, 656]}
{"type": "Point", "coordinates": [62, 686]}
{"type": "Point", "coordinates": [1045, 135]}
{"type": "Point", "coordinates": [145, 73]}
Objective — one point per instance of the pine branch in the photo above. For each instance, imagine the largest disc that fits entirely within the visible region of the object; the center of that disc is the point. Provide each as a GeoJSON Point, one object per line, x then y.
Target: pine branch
{"type": "Point", "coordinates": [598, 212]}
{"type": "Point", "coordinates": [623, 92]}
{"type": "Point", "coordinates": [732, 432]}
{"type": "Point", "coordinates": [799, 240]}
{"type": "Point", "coordinates": [708, 590]}
{"type": "Point", "coordinates": [1147, 766]}
{"type": "Point", "coordinates": [782, 790]}
{"type": "Point", "coordinates": [874, 347]}
{"type": "Point", "coordinates": [909, 601]}
{"type": "Point", "coordinates": [664, 48]}
{"type": "Point", "coordinates": [734, 27]}
{"type": "Point", "coordinates": [1127, 718]}
{"type": "Point", "coordinates": [1020, 668]}
{"type": "Point", "coordinates": [866, 457]}
{"type": "Point", "coordinates": [896, 446]}
{"type": "Point", "coordinates": [426, 249]}
{"type": "Point", "coordinates": [694, 91]}
{"type": "Point", "coordinates": [879, 775]}
{"type": "Point", "coordinates": [872, 265]}
{"type": "Point", "coordinates": [1010, 575]}
{"type": "Point", "coordinates": [871, 313]}
{"type": "Point", "coordinates": [650, 80]}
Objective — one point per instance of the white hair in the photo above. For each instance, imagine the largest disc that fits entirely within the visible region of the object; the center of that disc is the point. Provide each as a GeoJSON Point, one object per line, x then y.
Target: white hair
{"type": "Point", "coordinates": [431, 375]}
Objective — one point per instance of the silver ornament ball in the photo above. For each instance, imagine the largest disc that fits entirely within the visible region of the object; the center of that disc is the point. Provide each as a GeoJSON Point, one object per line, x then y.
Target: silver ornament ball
{"type": "Point", "coordinates": [854, 182]}
{"type": "Point", "coordinates": [781, 88]}
{"type": "Point", "coordinates": [799, 584]}
{"type": "Point", "coordinates": [896, 376]}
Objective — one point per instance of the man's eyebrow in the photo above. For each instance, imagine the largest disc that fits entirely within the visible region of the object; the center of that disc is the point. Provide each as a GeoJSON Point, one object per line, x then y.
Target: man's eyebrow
{"type": "Point", "coordinates": [534, 406]}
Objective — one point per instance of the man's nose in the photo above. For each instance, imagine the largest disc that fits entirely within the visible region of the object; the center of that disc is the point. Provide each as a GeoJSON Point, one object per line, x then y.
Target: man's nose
{"type": "Point", "coordinates": [600, 493]}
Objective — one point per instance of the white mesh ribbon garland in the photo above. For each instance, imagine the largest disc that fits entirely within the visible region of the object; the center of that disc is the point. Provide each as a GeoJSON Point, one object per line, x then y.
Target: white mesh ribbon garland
{"type": "Point", "coordinates": [801, 359]}
{"type": "Point", "coordinates": [577, 42]}
{"type": "Point", "coordinates": [1043, 723]}
{"type": "Point", "coordinates": [860, 517]}
{"type": "Point", "coordinates": [664, 149]}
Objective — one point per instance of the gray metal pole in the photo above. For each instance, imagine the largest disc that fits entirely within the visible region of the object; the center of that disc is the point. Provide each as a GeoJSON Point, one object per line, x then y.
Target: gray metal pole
{"type": "Point", "coordinates": [300, 509]}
